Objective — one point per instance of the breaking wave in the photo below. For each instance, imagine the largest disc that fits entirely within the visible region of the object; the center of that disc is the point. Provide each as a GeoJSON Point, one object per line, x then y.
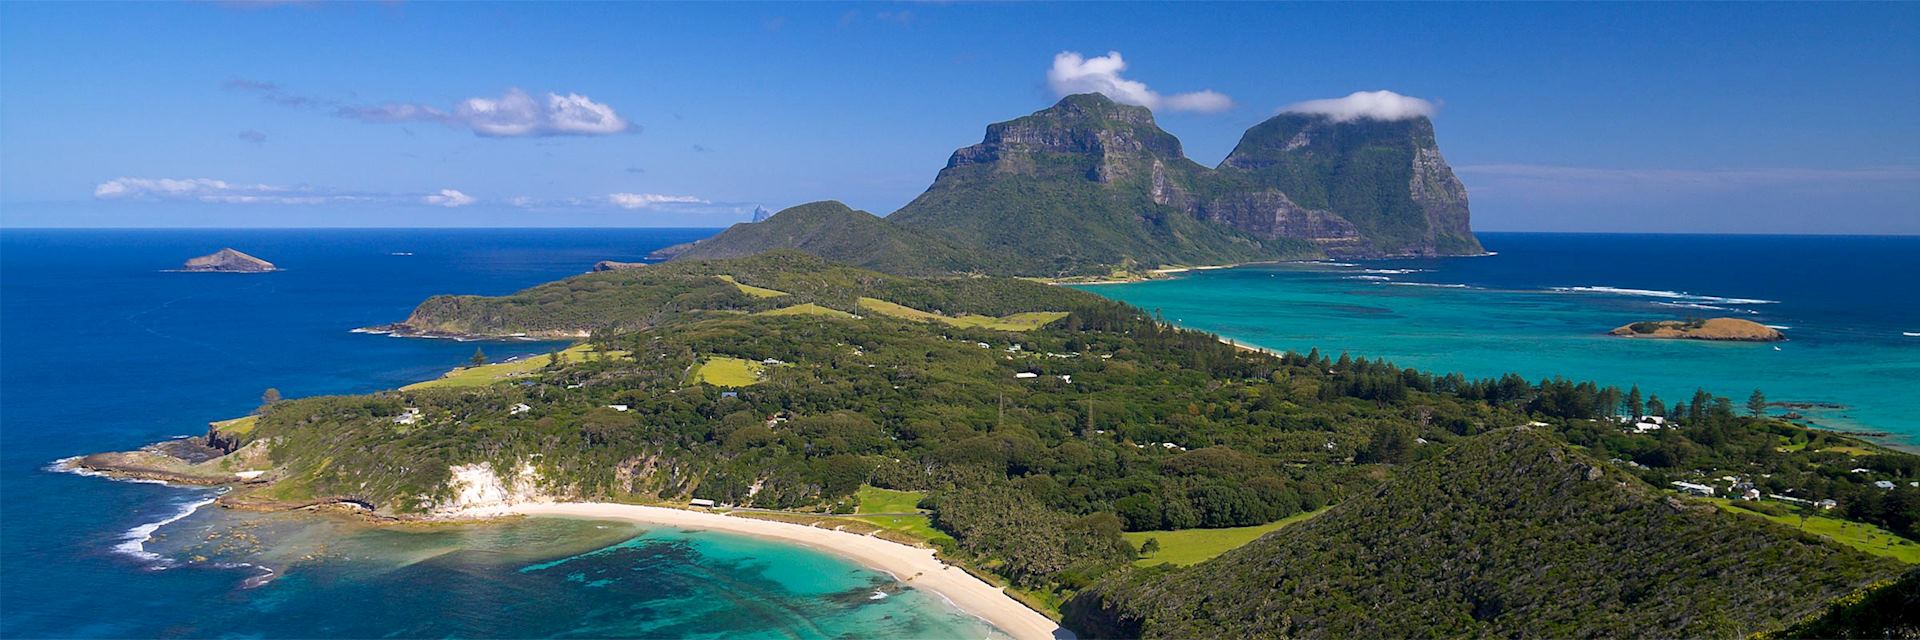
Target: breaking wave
{"type": "Point", "coordinates": [1669, 295]}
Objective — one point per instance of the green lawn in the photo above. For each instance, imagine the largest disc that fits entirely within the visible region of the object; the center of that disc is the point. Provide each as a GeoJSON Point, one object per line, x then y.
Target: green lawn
{"type": "Point", "coordinates": [728, 372]}
{"type": "Point", "coordinates": [757, 292]}
{"type": "Point", "coordinates": [1194, 546]}
{"type": "Point", "coordinates": [877, 500]}
{"type": "Point", "coordinates": [1864, 537]}
{"type": "Point", "coordinates": [1017, 322]}
{"type": "Point", "coordinates": [487, 374]}
{"type": "Point", "coordinates": [808, 309]}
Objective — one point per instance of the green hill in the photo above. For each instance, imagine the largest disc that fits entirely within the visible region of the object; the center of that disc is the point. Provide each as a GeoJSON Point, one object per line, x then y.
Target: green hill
{"type": "Point", "coordinates": [836, 232]}
{"type": "Point", "coordinates": [1511, 533]}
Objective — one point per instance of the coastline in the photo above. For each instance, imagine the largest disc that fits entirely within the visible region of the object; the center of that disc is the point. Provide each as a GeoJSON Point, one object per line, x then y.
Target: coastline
{"type": "Point", "coordinates": [914, 566]}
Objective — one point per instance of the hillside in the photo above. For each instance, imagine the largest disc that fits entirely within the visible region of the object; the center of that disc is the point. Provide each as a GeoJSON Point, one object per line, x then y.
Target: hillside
{"type": "Point", "coordinates": [1511, 533]}
{"type": "Point", "coordinates": [836, 232]}
{"type": "Point", "coordinates": [642, 296]}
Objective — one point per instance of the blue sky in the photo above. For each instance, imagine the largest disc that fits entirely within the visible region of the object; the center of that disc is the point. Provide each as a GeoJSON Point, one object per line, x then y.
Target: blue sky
{"type": "Point", "coordinates": [1617, 117]}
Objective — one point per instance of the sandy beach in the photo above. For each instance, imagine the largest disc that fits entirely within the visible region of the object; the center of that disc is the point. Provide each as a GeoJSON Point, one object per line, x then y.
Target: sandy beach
{"type": "Point", "coordinates": [912, 565]}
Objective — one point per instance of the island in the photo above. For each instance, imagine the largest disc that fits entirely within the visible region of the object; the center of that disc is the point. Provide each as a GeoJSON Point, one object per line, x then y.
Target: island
{"type": "Point", "coordinates": [228, 260]}
{"type": "Point", "coordinates": [1038, 453]}
{"type": "Point", "coordinates": [1728, 329]}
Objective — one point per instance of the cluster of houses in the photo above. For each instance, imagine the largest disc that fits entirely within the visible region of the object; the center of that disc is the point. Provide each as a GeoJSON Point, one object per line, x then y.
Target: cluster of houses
{"type": "Point", "coordinates": [1743, 489]}
{"type": "Point", "coordinates": [1647, 424]}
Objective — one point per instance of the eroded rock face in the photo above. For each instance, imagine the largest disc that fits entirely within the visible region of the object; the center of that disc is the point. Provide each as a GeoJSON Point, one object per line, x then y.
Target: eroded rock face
{"type": "Point", "coordinates": [611, 265]}
{"type": "Point", "coordinates": [1271, 214]}
{"type": "Point", "coordinates": [228, 260]}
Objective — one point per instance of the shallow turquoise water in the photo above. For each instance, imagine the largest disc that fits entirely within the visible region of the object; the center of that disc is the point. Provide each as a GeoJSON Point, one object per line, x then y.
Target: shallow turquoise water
{"type": "Point", "coordinates": [1541, 306]}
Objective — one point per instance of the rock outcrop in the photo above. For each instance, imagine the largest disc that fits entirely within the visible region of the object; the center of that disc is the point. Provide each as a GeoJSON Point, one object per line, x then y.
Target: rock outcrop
{"type": "Point", "coordinates": [1731, 329]}
{"type": "Point", "coordinates": [228, 260]}
{"type": "Point", "coordinates": [612, 265]}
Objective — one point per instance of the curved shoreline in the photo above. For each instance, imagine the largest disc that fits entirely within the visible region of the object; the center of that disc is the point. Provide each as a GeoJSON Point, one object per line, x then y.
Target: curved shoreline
{"type": "Point", "coordinates": [914, 566]}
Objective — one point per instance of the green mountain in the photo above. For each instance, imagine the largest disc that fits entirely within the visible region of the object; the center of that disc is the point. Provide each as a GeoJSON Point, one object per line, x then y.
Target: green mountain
{"type": "Point", "coordinates": [1084, 184]}
{"type": "Point", "coordinates": [1089, 185]}
{"type": "Point", "coordinates": [1363, 187]}
{"type": "Point", "coordinates": [1511, 533]}
{"type": "Point", "coordinates": [836, 232]}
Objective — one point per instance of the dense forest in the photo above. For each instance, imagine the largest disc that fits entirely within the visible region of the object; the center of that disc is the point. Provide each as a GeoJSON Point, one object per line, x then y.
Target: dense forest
{"type": "Point", "coordinates": [1038, 448]}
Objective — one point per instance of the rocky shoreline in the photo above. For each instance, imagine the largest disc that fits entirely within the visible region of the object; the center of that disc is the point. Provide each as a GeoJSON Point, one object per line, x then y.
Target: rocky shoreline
{"type": "Point", "coordinates": [404, 330]}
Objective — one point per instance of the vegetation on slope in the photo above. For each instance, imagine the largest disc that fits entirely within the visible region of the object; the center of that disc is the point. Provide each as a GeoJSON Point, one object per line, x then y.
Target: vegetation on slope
{"type": "Point", "coordinates": [1509, 533]}
{"type": "Point", "coordinates": [836, 232]}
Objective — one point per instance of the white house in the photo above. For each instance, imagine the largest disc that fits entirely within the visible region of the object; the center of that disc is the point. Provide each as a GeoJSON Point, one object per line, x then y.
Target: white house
{"type": "Point", "coordinates": [617, 407]}
{"type": "Point", "coordinates": [518, 408]}
{"type": "Point", "coordinates": [1884, 484]}
{"type": "Point", "coordinates": [701, 502]}
{"type": "Point", "coordinates": [1067, 379]}
{"type": "Point", "coordinates": [1827, 504]}
{"type": "Point", "coordinates": [1751, 494]}
{"type": "Point", "coordinates": [1026, 374]}
{"type": "Point", "coordinates": [410, 416]}
{"type": "Point", "coordinates": [1695, 489]}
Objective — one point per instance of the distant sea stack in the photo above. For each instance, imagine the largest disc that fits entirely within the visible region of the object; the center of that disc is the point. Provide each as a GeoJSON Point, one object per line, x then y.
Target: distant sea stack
{"type": "Point", "coordinates": [1732, 329]}
{"type": "Point", "coordinates": [229, 260]}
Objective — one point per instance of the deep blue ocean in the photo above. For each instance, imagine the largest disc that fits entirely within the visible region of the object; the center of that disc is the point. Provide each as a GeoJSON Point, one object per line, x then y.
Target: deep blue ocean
{"type": "Point", "coordinates": [102, 348]}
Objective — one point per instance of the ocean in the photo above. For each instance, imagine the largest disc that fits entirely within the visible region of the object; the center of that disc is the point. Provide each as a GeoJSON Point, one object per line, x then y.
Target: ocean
{"type": "Point", "coordinates": [1542, 304]}
{"type": "Point", "coordinates": [102, 348]}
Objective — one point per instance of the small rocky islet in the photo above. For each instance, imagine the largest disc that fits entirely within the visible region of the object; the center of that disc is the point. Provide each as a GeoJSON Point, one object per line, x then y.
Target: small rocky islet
{"type": "Point", "coordinates": [228, 260]}
{"type": "Point", "coordinates": [1726, 329]}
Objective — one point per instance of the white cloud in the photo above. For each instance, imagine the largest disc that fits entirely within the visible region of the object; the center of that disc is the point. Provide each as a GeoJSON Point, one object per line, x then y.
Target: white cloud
{"type": "Point", "coordinates": [449, 198]}
{"type": "Point", "coordinates": [1376, 105]}
{"type": "Point", "coordinates": [214, 191]}
{"type": "Point", "coordinates": [1073, 73]}
{"type": "Point", "coordinates": [646, 200]}
{"type": "Point", "coordinates": [202, 190]}
{"type": "Point", "coordinates": [514, 114]}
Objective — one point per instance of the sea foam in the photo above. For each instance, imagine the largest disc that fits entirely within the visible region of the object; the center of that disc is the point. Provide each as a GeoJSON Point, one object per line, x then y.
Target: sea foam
{"type": "Point", "coordinates": [1657, 293]}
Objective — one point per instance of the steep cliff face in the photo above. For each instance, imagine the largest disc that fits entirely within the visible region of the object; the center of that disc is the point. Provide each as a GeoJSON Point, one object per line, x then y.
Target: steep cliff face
{"type": "Point", "coordinates": [1385, 179]}
{"type": "Point", "coordinates": [1085, 184]}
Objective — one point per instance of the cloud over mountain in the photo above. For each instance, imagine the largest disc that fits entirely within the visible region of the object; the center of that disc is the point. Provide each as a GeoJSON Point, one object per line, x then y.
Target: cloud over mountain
{"type": "Point", "coordinates": [1073, 73]}
{"type": "Point", "coordinates": [1376, 105]}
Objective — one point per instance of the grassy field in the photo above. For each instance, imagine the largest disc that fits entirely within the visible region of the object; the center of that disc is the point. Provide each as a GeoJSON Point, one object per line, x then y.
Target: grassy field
{"type": "Point", "coordinates": [1193, 546]}
{"type": "Point", "coordinates": [1864, 537]}
{"type": "Point", "coordinates": [237, 426]}
{"type": "Point", "coordinates": [877, 500]}
{"type": "Point", "coordinates": [728, 372]}
{"type": "Point", "coordinates": [808, 309]}
{"type": "Point", "coordinates": [1016, 322]}
{"type": "Point", "coordinates": [487, 374]}
{"type": "Point", "coordinates": [757, 292]}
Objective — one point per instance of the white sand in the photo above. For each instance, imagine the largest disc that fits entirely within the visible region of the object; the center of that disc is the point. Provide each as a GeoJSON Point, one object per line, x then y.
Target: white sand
{"type": "Point", "coordinates": [913, 565]}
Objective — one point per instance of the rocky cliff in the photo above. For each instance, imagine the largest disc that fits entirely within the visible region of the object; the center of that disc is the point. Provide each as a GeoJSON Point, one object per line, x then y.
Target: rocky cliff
{"type": "Point", "coordinates": [1360, 187]}
{"type": "Point", "coordinates": [228, 260]}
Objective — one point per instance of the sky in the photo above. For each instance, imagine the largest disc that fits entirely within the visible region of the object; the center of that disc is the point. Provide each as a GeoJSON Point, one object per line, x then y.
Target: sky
{"type": "Point", "coordinates": [1691, 118]}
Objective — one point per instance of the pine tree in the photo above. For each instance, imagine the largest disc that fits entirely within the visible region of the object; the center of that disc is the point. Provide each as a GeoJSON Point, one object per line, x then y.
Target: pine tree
{"type": "Point", "coordinates": [270, 396]}
{"type": "Point", "coordinates": [1757, 403]}
{"type": "Point", "coordinates": [1634, 406]}
{"type": "Point", "coordinates": [479, 357]}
